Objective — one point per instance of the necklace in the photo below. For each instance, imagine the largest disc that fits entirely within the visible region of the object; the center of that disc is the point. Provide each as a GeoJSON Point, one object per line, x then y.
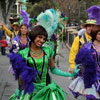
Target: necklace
{"type": "Point", "coordinates": [97, 49]}
{"type": "Point", "coordinates": [36, 53]}
{"type": "Point", "coordinates": [23, 39]}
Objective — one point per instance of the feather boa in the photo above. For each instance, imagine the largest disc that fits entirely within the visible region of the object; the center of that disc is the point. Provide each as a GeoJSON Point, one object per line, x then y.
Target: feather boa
{"type": "Point", "coordinates": [27, 73]}
{"type": "Point", "coordinates": [85, 58]}
{"type": "Point", "coordinates": [94, 13]}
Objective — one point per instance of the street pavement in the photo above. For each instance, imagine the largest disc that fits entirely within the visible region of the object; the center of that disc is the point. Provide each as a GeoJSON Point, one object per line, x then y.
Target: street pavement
{"type": "Point", "coordinates": [8, 83]}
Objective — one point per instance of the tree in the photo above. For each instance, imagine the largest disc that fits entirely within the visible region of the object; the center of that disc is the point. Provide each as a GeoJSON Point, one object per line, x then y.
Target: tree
{"type": "Point", "coordinates": [34, 1]}
{"type": "Point", "coordinates": [39, 7]}
{"type": "Point", "coordinates": [5, 8]}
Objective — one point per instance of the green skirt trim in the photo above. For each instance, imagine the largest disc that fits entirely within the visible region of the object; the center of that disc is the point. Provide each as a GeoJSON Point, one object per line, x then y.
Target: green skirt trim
{"type": "Point", "coordinates": [41, 92]}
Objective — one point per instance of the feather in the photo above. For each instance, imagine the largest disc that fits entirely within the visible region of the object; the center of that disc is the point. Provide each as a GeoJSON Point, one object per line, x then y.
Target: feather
{"type": "Point", "coordinates": [94, 13]}
{"type": "Point", "coordinates": [27, 73]}
{"type": "Point", "coordinates": [25, 17]}
{"type": "Point", "coordinates": [85, 58]}
{"type": "Point", "coordinates": [48, 20]}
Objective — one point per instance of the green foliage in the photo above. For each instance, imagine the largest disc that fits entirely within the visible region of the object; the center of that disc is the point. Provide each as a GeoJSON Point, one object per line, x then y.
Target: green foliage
{"type": "Point", "coordinates": [39, 7]}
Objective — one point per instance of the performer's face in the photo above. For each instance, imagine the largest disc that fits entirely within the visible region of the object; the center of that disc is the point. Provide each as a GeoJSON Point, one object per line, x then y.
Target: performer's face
{"type": "Point", "coordinates": [89, 28]}
{"type": "Point", "coordinates": [15, 27]}
{"type": "Point", "coordinates": [23, 29]}
{"type": "Point", "coordinates": [98, 36]}
{"type": "Point", "coordinates": [39, 40]}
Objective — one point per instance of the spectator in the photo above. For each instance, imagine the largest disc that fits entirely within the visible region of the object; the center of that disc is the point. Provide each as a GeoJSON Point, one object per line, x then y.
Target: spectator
{"type": "Point", "coordinates": [3, 45]}
{"type": "Point", "coordinates": [2, 33]}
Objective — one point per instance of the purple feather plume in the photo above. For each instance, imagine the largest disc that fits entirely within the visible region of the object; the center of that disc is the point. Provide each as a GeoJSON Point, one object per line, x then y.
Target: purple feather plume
{"type": "Point", "coordinates": [94, 13]}
{"type": "Point", "coordinates": [25, 17]}
{"type": "Point", "coordinates": [27, 73]}
{"type": "Point", "coordinates": [85, 58]}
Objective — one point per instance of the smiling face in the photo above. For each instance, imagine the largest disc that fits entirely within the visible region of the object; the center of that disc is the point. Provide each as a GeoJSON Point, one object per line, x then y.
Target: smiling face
{"type": "Point", "coordinates": [23, 30]}
{"type": "Point", "coordinates": [39, 40]}
{"type": "Point", "coordinates": [15, 27]}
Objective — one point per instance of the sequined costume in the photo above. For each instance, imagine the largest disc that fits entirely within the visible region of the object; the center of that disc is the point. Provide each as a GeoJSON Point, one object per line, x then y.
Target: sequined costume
{"type": "Point", "coordinates": [88, 83]}
{"type": "Point", "coordinates": [45, 87]}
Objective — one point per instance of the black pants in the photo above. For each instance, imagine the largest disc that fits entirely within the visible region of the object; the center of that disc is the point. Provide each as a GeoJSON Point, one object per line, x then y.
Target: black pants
{"type": "Point", "coordinates": [3, 51]}
{"type": "Point", "coordinates": [55, 47]}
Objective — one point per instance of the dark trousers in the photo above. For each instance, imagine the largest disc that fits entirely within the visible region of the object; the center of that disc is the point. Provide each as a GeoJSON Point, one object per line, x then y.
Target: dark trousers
{"type": "Point", "coordinates": [3, 51]}
{"type": "Point", "coordinates": [55, 47]}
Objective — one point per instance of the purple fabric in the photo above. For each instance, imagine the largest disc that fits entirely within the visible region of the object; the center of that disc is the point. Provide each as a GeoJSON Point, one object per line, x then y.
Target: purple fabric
{"type": "Point", "coordinates": [89, 97]}
{"type": "Point", "coordinates": [27, 73]}
{"type": "Point", "coordinates": [13, 47]}
{"type": "Point", "coordinates": [85, 58]}
{"type": "Point", "coordinates": [17, 38]}
{"type": "Point", "coordinates": [11, 71]}
{"type": "Point", "coordinates": [21, 46]}
{"type": "Point", "coordinates": [54, 37]}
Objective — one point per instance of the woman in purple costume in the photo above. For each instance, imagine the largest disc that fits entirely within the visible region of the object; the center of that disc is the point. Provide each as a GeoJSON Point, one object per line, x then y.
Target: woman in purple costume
{"type": "Point", "coordinates": [21, 41]}
{"type": "Point", "coordinates": [88, 81]}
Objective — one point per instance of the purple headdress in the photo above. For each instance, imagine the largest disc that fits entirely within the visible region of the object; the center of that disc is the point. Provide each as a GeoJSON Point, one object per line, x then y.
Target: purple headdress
{"type": "Point", "coordinates": [94, 13]}
{"type": "Point", "coordinates": [25, 18]}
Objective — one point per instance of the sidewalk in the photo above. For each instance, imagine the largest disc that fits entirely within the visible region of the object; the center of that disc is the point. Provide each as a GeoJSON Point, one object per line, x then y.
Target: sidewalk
{"type": "Point", "coordinates": [7, 82]}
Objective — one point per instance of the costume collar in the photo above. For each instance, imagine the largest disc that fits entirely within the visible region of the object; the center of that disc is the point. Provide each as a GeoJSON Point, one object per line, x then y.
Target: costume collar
{"type": "Point", "coordinates": [87, 36]}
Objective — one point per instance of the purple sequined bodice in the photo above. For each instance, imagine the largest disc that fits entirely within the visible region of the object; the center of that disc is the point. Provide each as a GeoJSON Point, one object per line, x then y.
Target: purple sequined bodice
{"type": "Point", "coordinates": [23, 46]}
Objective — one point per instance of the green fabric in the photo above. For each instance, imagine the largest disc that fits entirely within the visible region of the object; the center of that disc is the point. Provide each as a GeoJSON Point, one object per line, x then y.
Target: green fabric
{"type": "Point", "coordinates": [49, 51]}
{"type": "Point", "coordinates": [39, 63]}
{"type": "Point", "coordinates": [41, 92]}
{"type": "Point", "coordinates": [56, 71]}
{"type": "Point", "coordinates": [65, 18]}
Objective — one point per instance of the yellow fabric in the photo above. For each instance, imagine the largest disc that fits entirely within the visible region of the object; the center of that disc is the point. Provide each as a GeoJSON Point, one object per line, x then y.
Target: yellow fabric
{"type": "Point", "coordinates": [75, 48]}
{"type": "Point", "coordinates": [8, 32]}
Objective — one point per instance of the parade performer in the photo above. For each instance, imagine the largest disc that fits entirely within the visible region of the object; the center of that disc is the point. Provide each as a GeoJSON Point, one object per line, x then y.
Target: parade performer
{"type": "Point", "coordinates": [79, 41]}
{"type": "Point", "coordinates": [9, 33]}
{"type": "Point", "coordinates": [52, 38]}
{"type": "Point", "coordinates": [60, 30]}
{"type": "Point", "coordinates": [88, 81]}
{"type": "Point", "coordinates": [21, 41]}
{"type": "Point", "coordinates": [32, 65]}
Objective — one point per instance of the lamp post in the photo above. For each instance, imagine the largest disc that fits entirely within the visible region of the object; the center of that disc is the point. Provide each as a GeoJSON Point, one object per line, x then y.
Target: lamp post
{"type": "Point", "coordinates": [74, 17]}
{"type": "Point", "coordinates": [69, 15]}
{"type": "Point", "coordinates": [79, 14]}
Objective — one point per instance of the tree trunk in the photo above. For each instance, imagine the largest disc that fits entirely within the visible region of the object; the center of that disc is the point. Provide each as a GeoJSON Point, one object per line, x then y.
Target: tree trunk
{"type": "Point", "coordinates": [5, 8]}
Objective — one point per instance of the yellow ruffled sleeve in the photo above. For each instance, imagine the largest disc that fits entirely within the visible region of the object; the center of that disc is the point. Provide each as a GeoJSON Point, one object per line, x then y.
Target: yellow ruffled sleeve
{"type": "Point", "coordinates": [8, 32]}
{"type": "Point", "coordinates": [73, 52]}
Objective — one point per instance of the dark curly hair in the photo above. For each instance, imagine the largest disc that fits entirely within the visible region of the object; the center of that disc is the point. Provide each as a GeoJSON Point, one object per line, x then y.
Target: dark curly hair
{"type": "Point", "coordinates": [94, 31]}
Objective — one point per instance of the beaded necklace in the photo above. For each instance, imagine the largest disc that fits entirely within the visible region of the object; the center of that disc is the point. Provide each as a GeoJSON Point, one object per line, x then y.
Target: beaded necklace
{"type": "Point", "coordinates": [36, 53]}
{"type": "Point", "coordinates": [97, 48]}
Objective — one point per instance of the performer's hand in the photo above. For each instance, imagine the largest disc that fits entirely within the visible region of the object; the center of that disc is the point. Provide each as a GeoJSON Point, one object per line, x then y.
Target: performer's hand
{"type": "Point", "coordinates": [1, 24]}
{"type": "Point", "coordinates": [76, 70]}
{"type": "Point", "coordinates": [71, 70]}
{"type": "Point", "coordinates": [17, 92]}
